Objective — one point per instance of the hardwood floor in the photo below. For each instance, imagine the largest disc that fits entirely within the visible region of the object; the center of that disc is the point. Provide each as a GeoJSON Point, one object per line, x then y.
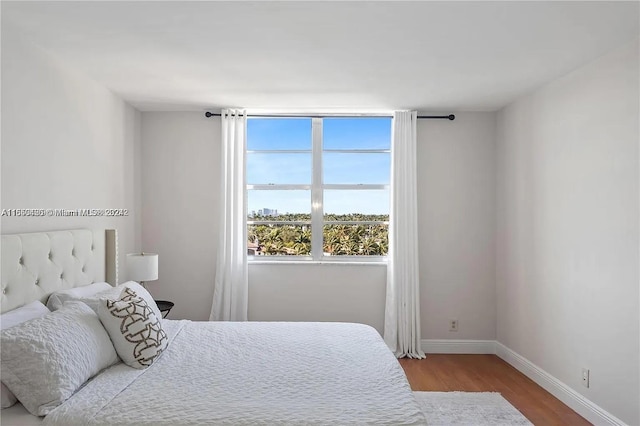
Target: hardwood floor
{"type": "Point", "coordinates": [489, 373]}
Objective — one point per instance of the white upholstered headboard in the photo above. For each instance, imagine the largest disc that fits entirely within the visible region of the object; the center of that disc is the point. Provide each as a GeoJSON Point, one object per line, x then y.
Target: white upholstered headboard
{"type": "Point", "coordinates": [37, 264]}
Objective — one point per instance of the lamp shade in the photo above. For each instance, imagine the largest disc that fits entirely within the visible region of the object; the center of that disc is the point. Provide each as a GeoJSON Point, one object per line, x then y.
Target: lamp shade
{"type": "Point", "coordinates": [142, 266]}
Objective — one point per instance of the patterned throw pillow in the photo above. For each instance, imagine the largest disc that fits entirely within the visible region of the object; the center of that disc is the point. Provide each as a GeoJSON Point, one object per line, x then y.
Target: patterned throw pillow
{"type": "Point", "coordinates": [135, 330]}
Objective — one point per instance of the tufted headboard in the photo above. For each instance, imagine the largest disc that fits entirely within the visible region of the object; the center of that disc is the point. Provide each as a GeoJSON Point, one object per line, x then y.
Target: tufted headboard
{"type": "Point", "coordinates": [37, 264]}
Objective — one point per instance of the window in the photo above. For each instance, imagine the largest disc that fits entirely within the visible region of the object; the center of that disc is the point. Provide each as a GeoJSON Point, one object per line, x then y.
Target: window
{"type": "Point", "coordinates": [318, 188]}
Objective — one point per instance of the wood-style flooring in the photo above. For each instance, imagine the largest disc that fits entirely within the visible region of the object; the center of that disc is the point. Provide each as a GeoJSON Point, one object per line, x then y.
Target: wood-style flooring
{"type": "Point", "coordinates": [489, 373]}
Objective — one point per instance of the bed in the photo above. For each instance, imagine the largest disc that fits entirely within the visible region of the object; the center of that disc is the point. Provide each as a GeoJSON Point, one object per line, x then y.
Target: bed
{"type": "Point", "coordinates": [226, 373]}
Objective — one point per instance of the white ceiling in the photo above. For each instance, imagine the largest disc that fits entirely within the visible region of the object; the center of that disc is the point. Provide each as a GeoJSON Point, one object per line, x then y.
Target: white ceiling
{"type": "Point", "coordinates": [324, 56]}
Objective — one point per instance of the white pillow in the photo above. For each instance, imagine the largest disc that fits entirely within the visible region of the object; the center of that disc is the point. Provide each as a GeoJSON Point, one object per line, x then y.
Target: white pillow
{"type": "Point", "coordinates": [17, 316]}
{"type": "Point", "coordinates": [57, 299]}
{"type": "Point", "coordinates": [136, 332]}
{"type": "Point", "coordinates": [47, 359]}
{"type": "Point", "coordinates": [114, 293]}
{"type": "Point", "coordinates": [23, 313]}
{"type": "Point", "coordinates": [142, 292]}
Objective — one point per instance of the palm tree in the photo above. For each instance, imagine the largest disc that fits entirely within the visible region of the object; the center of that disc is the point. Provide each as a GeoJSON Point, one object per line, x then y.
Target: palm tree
{"type": "Point", "coordinates": [368, 247]}
{"type": "Point", "coordinates": [338, 238]}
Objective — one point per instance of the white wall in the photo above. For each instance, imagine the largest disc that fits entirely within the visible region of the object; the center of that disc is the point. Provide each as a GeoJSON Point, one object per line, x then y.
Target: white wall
{"type": "Point", "coordinates": [180, 185]}
{"type": "Point", "coordinates": [456, 206]}
{"type": "Point", "coordinates": [318, 292]}
{"type": "Point", "coordinates": [180, 164]}
{"type": "Point", "coordinates": [67, 143]}
{"type": "Point", "coordinates": [567, 222]}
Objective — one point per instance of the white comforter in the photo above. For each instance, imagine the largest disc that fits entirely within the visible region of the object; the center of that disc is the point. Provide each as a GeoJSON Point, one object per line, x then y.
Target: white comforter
{"type": "Point", "coordinates": [252, 373]}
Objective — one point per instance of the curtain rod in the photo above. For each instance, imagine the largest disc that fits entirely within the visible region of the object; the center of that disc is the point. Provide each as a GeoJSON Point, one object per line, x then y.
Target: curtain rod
{"type": "Point", "coordinates": [446, 117]}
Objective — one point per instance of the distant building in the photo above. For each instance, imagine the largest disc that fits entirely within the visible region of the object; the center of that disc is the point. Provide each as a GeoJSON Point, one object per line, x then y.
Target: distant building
{"type": "Point", "coordinates": [269, 212]}
{"type": "Point", "coordinates": [265, 212]}
{"type": "Point", "coordinates": [254, 248]}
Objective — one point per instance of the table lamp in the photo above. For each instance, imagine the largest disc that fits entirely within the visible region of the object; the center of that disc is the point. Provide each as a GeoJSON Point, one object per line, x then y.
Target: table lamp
{"type": "Point", "coordinates": [142, 267]}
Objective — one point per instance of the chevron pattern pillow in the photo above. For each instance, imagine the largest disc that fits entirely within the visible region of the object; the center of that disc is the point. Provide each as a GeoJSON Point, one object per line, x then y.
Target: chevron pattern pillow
{"type": "Point", "coordinates": [135, 330]}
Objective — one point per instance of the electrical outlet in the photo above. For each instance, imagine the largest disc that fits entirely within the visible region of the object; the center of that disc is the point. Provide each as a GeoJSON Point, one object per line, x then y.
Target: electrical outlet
{"type": "Point", "coordinates": [453, 325]}
{"type": "Point", "coordinates": [585, 377]}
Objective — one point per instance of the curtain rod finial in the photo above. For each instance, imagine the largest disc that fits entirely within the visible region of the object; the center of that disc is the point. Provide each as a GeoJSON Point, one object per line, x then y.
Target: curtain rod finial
{"type": "Point", "coordinates": [452, 117]}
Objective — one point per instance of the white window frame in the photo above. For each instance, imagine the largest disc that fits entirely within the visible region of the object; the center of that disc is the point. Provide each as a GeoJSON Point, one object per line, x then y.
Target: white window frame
{"type": "Point", "coordinates": [317, 188]}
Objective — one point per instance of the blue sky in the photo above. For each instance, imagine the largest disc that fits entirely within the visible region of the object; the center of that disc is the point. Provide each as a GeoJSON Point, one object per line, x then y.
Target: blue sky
{"type": "Point", "coordinates": [296, 168]}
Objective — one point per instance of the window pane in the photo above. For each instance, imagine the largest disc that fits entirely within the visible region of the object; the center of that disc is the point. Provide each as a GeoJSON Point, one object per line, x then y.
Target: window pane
{"type": "Point", "coordinates": [356, 168]}
{"type": "Point", "coordinates": [356, 204]}
{"type": "Point", "coordinates": [279, 240]}
{"type": "Point", "coordinates": [355, 240]}
{"type": "Point", "coordinates": [278, 133]}
{"type": "Point", "coordinates": [279, 205]}
{"type": "Point", "coordinates": [357, 133]}
{"type": "Point", "coordinates": [274, 168]}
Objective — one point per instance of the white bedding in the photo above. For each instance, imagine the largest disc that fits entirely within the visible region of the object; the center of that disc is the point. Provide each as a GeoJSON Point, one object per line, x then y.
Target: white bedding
{"type": "Point", "coordinates": [252, 373]}
{"type": "Point", "coordinates": [17, 415]}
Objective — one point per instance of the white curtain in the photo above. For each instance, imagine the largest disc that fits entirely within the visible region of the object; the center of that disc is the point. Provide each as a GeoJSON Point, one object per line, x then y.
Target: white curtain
{"type": "Point", "coordinates": [231, 280]}
{"type": "Point", "coordinates": [402, 310]}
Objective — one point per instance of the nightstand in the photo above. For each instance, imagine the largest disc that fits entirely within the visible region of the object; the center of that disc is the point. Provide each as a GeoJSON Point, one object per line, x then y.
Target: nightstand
{"type": "Point", "coordinates": [164, 306]}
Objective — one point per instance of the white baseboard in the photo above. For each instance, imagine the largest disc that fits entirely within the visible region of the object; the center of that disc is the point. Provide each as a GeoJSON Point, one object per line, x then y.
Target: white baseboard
{"type": "Point", "coordinates": [448, 346]}
{"type": "Point", "coordinates": [581, 405]}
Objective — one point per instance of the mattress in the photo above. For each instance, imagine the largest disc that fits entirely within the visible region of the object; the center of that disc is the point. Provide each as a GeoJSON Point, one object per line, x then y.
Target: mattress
{"type": "Point", "coordinates": [252, 373]}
